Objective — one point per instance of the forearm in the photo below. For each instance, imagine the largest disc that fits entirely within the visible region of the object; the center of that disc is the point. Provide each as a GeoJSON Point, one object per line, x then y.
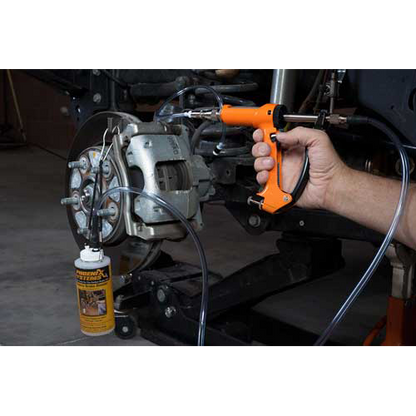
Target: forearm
{"type": "Point", "coordinates": [371, 201]}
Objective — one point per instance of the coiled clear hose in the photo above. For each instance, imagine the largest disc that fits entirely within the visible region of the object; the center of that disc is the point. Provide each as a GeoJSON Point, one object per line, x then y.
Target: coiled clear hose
{"type": "Point", "coordinates": [201, 253]}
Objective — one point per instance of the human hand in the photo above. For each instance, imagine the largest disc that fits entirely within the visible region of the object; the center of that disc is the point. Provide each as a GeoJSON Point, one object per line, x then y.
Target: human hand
{"type": "Point", "coordinates": [325, 166]}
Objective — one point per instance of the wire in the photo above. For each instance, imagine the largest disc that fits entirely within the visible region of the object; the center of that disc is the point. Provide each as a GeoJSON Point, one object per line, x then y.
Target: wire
{"type": "Point", "coordinates": [111, 145]}
{"type": "Point", "coordinates": [96, 224]}
{"type": "Point", "coordinates": [108, 151]}
{"type": "Point", "coordinates": [202, 257]}
{"type": "Point", "coordinates": [102, 149]}
{"type": "Point", "coordinates": [99, 177]}
{"type": "Point", "coordinates": [390, 234]}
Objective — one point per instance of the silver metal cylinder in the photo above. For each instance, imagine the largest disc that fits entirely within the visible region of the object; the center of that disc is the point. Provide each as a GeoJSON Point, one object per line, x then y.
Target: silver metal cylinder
{"type": "Point", "coordinates": [77, 164]}
{"type": "Point", "coordinates": [300, 118]}
{"type": "Point", "coordinates": [283, 87]}
{"type": "Point", "coordinates": [106, 212]}
{"type": "Point", "coordinates": [70, 201]}
{"type": "Point", "coordinates": [310, 118]}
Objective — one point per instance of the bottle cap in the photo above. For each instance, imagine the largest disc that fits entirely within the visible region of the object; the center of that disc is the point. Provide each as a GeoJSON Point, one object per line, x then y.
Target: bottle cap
{"type": "Point", "coordinates": [91, 254]}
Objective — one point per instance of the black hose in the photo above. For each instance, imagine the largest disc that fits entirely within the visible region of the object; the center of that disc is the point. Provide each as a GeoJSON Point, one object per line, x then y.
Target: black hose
{"type": "Point", "coordinates": [351, 120]}
{"type": "Point", "coordinates": [95, 222]}
{"type": "Point", "coordinates": [196, 137]}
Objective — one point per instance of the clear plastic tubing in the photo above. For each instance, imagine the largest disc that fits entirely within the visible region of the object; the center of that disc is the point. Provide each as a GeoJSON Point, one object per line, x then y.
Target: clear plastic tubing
{"type": "Point", "coordinates": [217, 96]}
{"type": "Point", "coordinates": [389, 236]}
{"type": "Point", "coordinates": [176, 213]}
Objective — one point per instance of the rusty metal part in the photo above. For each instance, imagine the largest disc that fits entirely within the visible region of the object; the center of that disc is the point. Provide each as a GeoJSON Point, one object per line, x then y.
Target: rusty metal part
{"type": "Point", "coordinates": [375, 331]}
{"type": "Point", "coordinates": [401, 322]}
{"type": "Point", "coordinates": [227, 73]}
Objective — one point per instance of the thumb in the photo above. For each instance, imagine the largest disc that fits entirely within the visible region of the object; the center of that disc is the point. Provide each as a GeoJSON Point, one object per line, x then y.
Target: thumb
{"type": "Point", "coordinates": [300, 136]}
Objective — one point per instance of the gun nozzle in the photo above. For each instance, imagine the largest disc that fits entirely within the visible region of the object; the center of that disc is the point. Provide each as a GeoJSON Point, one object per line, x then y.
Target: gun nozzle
{"type": "Point", "coordinates": [211, 114]}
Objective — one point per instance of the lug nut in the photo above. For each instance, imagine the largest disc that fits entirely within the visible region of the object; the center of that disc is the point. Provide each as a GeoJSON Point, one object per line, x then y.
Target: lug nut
{"type": "Point", "coordinates": [107, 212]}
{"type": "Point", "coordinates": [254, 220]}
{"type": "Point", "coordinates": [161, 295]}
{"type": "Point", "coordinates": [96, 72]}
{"type": "Point", "coordinates": [170, 311]}
{"type": "Point", "coordinates": [82, 231]}
{"type": "Point", "coordinates": [70, 201]}
{"type": "Point", "coordinates": [126, 278]}
{"type": "Point", "coordinates": [96, 98]}
{"type": "Point", "coordinates": [77, 164]}
{"type": "Point", "coordinates": [106, 169]}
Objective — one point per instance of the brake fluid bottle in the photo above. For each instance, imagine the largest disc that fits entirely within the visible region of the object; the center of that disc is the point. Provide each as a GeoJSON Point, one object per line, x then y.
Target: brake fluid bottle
{"type": "Point", "coordinates": [94, 292]}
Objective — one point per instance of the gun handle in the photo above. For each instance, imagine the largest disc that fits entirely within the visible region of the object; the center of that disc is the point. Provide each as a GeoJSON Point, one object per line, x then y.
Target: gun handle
{"type": "Point", "coordinates": [273, 197]}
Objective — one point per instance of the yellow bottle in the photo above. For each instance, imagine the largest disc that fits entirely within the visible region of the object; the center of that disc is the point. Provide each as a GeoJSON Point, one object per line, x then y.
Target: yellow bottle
{"type": "Point", "coordinates": [94, 292]}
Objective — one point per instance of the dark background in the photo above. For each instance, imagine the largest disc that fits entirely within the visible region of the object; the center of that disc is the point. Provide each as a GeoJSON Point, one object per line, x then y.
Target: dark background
{"type": "Point", "coordinates": [40, 107]}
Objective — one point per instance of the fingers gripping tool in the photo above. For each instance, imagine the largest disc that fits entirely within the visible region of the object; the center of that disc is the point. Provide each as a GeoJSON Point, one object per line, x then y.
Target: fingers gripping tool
{"type": "Point", "coordinates": [270, 119]}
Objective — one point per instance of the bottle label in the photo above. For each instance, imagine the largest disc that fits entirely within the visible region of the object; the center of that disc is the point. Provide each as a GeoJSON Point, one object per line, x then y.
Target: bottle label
{"type": "Point", "coordinates": [95, 300]}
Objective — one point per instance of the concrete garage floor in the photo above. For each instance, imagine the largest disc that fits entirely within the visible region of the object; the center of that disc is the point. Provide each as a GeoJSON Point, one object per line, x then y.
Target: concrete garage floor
{"type": "Point", "coordinates": [38, 304]}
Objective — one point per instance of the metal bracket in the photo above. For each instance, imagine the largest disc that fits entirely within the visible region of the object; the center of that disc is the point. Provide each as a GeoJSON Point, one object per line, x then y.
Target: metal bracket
{"type": "Point", "coordinates": [403, 260]}
{"type": "Point", "coordinates": [321, 122]}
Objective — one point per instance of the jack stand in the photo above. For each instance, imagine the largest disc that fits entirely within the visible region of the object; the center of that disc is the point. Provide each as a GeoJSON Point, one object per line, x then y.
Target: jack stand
{"type": "Point", "coordinates": [400, 322]}
{"type": "Point", "coordinates": [401, 311]}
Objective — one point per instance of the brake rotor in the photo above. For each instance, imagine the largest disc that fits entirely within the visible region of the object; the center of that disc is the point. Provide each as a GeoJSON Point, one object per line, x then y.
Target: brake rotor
{"type": "Point", "coordinates": [127, 253]}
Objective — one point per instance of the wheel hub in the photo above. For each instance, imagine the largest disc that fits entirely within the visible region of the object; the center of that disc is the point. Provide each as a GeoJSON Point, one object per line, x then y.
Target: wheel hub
{"type": "Point", "coordinates": [82, 185]}
{"type": "Point", "coordinates": [127, 253]}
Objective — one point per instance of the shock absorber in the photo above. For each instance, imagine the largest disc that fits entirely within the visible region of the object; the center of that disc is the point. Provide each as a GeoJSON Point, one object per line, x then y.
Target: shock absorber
{"type": "Point", "coordinates": [284, 86]}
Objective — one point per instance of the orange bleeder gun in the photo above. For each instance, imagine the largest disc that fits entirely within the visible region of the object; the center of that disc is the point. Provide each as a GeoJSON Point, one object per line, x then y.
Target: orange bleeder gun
{"type": "Point", "coordinates": [270, 119]}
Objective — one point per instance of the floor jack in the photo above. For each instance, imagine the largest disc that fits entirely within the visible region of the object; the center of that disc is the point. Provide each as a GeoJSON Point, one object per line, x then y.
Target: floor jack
{"type": "Point", "coordinates": [165, 301]}
{"type": "Point", "coordinates": [400, 321]}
